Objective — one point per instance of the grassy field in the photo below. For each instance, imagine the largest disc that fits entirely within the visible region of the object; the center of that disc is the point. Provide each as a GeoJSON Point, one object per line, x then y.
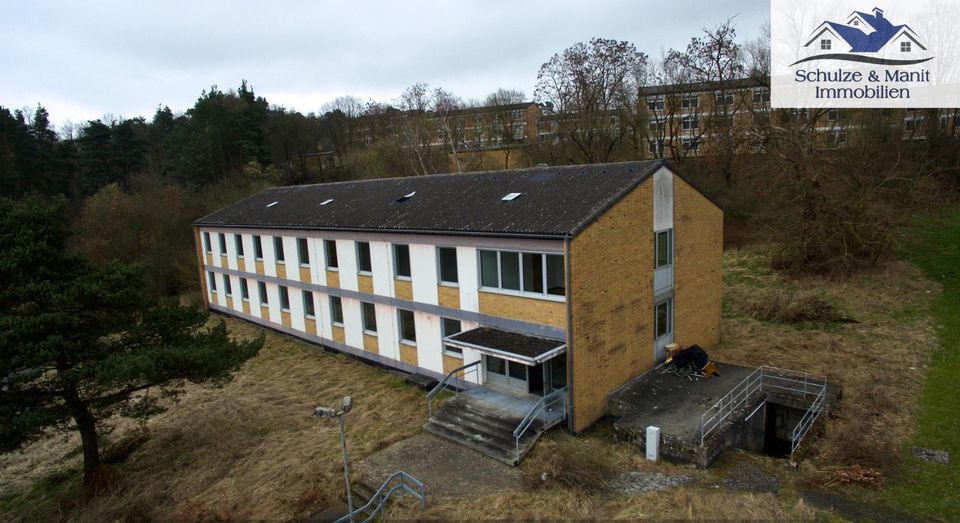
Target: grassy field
{"type": "Point", "coordinates": [928, 488]}
{"type": "Point", "coordinates": [251, 450]}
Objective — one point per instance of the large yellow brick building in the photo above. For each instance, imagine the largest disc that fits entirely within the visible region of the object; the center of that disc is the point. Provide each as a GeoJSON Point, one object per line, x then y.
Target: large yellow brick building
{"type": "Point", "coordinates": [550, 280]}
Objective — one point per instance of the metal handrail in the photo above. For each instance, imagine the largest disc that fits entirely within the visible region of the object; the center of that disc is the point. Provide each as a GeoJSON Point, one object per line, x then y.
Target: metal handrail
{"type": "Point", "coordinates": [764, 379]}
{"type": "Point", "coordinates": [448, 379]}
{"type": "Point", "coordinates": [541, 405]}
{"type": "Point", "coordinates": [383, 495]}
{"type": "Point", "coordinates": [807, 421]}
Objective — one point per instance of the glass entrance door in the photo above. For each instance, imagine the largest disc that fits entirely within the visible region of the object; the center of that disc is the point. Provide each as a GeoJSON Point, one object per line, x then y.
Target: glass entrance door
{"type": "Point", "coordinates": [506, 373]}
{"type": "Point", "coordinates": [663, 323]}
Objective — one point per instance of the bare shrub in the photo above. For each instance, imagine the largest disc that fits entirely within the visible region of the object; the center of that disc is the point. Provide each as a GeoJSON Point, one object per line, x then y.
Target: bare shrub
{"type": "Point", "coordinates": [785, 306]}
{"type": "Point", "coordinates": [571, 466]}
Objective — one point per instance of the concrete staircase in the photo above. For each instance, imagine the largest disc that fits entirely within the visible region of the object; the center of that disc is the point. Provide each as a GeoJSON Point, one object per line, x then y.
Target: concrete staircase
{"type": "Point", "coordinates": [482, 428]}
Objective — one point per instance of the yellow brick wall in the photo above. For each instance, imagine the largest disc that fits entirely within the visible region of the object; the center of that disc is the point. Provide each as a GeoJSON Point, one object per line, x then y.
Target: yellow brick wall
{"type": "Point", "coordinates": [370, 343]}
{"type": "Point", "coordinates": [281, 270]}
{"type": "Point", "coordinates": [265, 312]}
{"type": "Point", "coordinates": [698, 266]}
{"type": "Point", "coordinates": [285, 319]}
{"type": "Point", "coordinates": [242, 265]}
{"type": "Point", "coordinates": [403, 289]}
{"type": "Point", "coordinates": [451, 362]}
{"type": "Point", "coordinates": [305, 274]}
{"type": "Point", "coordinates": [338, 335]}
{"type": "Point", "coordinates": [246, 307]}
{"type": "Point", "coordinates": [259, 266]}
{"type": "Point", "coordinates": [311, 324]}
{"type": "Point", "coordinates": [545, 312]}
{"type": "Point", "coordinates": [449, 297]}
{"type": "Point", "coordinates": [333, 279]}
{"type": "Point", "coordinates": [201, 258]}
{"type": "Point", "coordinates": [408, 354]}
{"type": "Point", "coordinates": [611, 336]}
{"type": "Point", "coordinates": [365, 283]}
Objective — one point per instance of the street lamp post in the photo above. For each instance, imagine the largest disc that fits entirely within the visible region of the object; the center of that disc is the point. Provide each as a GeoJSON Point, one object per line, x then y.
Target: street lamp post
{"type": "Point", "coordinates": [326, 412]}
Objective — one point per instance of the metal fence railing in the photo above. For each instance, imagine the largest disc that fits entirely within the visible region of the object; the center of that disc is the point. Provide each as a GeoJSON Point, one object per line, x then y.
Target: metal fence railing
{"type": "Point", "coordinates": [546, 412]}
{"type": "Point", "coordinates": [759, 382]}
{"type": "Point", "coordinates": [397, 482]}
{"type": "Point", "coordinates": [456, 378]}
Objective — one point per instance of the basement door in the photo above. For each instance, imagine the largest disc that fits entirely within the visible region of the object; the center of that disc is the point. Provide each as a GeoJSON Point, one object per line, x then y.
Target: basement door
{"type": "Point", "coordinates": [663, 323]}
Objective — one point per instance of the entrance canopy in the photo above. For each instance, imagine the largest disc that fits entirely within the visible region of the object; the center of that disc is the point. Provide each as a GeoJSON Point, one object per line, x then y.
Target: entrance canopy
{"type": "Point", "coordinates": [519, 348]}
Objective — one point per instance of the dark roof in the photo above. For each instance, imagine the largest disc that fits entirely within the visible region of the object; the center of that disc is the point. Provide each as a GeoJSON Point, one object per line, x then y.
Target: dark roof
{"type": "Point", "coordinates": [690, 88]}
{"type": "Point", "coordinates": [530, 347]}
{"type": "Point", "coordinates": [554, 202]}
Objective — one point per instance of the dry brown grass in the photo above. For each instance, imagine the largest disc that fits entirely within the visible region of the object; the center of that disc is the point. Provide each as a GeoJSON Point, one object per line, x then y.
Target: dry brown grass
{"type": "Point", "coordinates": [250, 450]}
{"type": "Point", "coordinates": [879, 361]}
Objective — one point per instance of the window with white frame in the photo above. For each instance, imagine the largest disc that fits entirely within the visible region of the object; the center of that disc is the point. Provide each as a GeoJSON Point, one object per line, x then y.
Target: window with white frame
{"type": "Point", "coordinates": [330, 247]}
{"type": "Point", "coordinates": [527, 272]}
{"type": "Point", "coordinates": [336, 310]}
{"type": "Point", "coordinates": [904, 47]}
{"type": "Point", "coordinates": [690, 144]}
{"type": "Point", "coordinates": [663, 246]}
{"type": "Point", "coordinates": [308, 308]}
{"type": "Point", "coordinates": [302, 253]}
{"type": "Point", "coordinates": [407, 326]}
{"type": "Point", "coordinates": [825, 44]}
{"type": "Point", "coordinates": [761, 95]}
{"type": "Point", "coordinates": [238, 242]}
{"type": "Point", "coordinates": [689, 123]}
{"type": "Point", "coordinates": [690, 101]}
{"type": "Point", "coordinates": [206, 242]}
{"type": "Point", "coordinates": [368, 311]}
{"type": "Point", "coordinates": [212, 279]}
{"type": "Point", "coordinates": [258, 247]}
{"type": "Point", "coordinates": [244, 291]}
{"type": "Point", "coordinates": [723, 98]}
{"type": "Point", "coordinates": [401, 260]}
{"type": "Point", "coordinates": [663, 318]}
{"type": "Point", "coordinates": [284, 298]}
{"type": "Point", "coordinates": [278, 249]}
{"type": "Point", "coordinates": [447, 263]}
{"type": "Point", "coordinates": [655, 104]}
{"type": "Point", "coordinates": [227, 288]}
{"type": "Point", "coordinates": [364, 263]}
{"type": "Point", "coordinates": [223, 243]}
{"type": "Point", "coordinates": [262, 293]}
{"type": "Point", "coordinates": [449, 327]}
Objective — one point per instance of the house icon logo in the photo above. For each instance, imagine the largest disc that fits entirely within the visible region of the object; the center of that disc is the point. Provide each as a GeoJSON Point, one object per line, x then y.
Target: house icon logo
{"type": "Point", "coordinates": [866, 38]}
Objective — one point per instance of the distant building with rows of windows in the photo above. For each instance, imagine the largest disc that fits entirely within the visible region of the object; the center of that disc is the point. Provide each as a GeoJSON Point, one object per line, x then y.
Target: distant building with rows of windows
{"type": "Point", "coordinates": [552, 279]}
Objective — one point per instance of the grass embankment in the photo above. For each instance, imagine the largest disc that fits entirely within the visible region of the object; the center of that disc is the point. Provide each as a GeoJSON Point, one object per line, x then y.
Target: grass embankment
{"type": "Point", "coordinates": [924, 488]}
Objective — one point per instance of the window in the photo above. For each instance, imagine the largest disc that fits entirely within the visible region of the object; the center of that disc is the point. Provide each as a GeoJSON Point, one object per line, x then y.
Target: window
{"type": "Point", "coordinates": [408, 331]}
{"type": "Point", "coordinates": [244, 291]}
{"type": "Point", "coordinates": [262, 291]}
{"type": "Point", "coordinates": [834, 115]}
{"type": "Point", "coordinates": [308, 309]}
{"type": "Point", "coordinates": [284, 298]}
{"type": "Point", "coordinates": [825, 44]}
{"type": "Point", "coordinates": [363, 257]}
{"type": "Point", "coordinates": [369, 313]}
{"type": "Point", "coordinates": [723, 98]}
{"type": "Point", "coordinates": [689, 144]}
{"type": "Point", "coordinates": [904, 47]}
{"type": "Point", "coordinates": [206, 242]}
{"type": "Point", "coordinates": [664, 318]}
{"type": "Point", "coordinates": [401, 260]}
{"type": "Point", "coordinates": [447, 260]}
{"type": "Point", "coordinates": [302, 251]}
{"type": "Point", "coordinates": [336, 310]}
{"type": "Point", "coordinates": [856, 23]}
{"type": "Point", "coordinates": [655, 104]}
{"type": "Point", "coordinates": [330, 246]}
{"type": "Point", "coordinates": [238, 240]}
{"type": "Point", "coordinates": [227, 288]}
{"type": "Point", "coordinates": [213, 281]}
{"type": "Point", "coordinates": [223, 243]}
{"type": "Point", "coordinates": [689, 123]}
{"type": "Point", "coordinates": [278, 248]}
{"type": "Point", "coordinates": [836, 138]}
{"type": "Point", "coordinates": [761, 95]}
{"type": "Point", "coordinates": [449, 328]}
{"type": "Point", "coordinates": [690, 102]}
{"type": "Point", "coordinates": [527, 272]}
{"type": "Point", "coordinates": [258, 247]}
{"type": "Point", "coordinates": [664, 249]}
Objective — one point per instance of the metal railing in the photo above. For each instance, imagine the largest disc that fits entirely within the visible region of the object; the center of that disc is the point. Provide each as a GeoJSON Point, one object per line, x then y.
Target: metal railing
{"type": "Point", "coordinates": [398, 481]}
{"type": "Point", "coordinates": [544, 406]}
{"type": "Point", "coordinates": [449, 380]}
{"type": "Point", "coordinates": [762, 380]}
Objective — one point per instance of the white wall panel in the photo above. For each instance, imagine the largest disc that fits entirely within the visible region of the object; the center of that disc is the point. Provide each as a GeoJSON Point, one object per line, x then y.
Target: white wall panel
{"type": "Point", "coordinates": [381, 254]}
{"type": "Point", "coordinates": [352, 323]}
{"type": "Point", "coordinates": [323, 324]}
{"type": "Point", "coordinates": [347, 259]}
{"type": "Point", "coordinates": [662, 200]}
{"type": "Point", "coordinates": [292, 258]}
{"type": "Point", "coordinates": [269, 257]}
{"type": "Point", "coordinates": [468, 274]}
{"type": "Point", "coordinates": [387, 331]}
{"type": "Point", "coordinates": [429, 347]}
{"type": "Point", "coordinates": [317, 273]}
{"type": "Point", "coordinates": [297, 309]}
{"type": "Point", "coordinates": [249, 257]}
{"type": "Point", "coordinates": [231, 250]}
{"type": "Point", "coordinates": [423, 271]}
{"type": "Point", "coordinates": [273, 296]}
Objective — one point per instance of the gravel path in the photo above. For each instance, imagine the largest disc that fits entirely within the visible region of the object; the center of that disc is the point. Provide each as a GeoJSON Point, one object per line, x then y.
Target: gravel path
{"type": "Point", "coordinates": [637, 482]}
{"type": "Point", "coordinates": [746, 476]}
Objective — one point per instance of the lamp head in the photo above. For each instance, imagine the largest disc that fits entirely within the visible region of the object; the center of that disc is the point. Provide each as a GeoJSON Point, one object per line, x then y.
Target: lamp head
{"type": "Point", "coordinates": [347, 404]}
{"type": "Point", "coordinates": [324, 412]}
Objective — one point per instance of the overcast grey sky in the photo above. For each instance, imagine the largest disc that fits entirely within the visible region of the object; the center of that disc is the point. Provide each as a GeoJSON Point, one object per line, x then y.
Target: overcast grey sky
{"type": "Point", "coordinates": [82, 60]}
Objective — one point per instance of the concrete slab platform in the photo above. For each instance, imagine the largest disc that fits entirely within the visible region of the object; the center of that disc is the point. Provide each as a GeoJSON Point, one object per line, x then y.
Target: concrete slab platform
{"type": "Point", "coordinates": [673, 403]}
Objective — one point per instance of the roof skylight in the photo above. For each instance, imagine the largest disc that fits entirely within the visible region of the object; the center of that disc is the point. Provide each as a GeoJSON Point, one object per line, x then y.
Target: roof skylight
{"type": "Point", "coordinates": [325, 202]}
{"type": "Point", "coordinates": [406, 197]}
{"type": "Point", "coordinates": [272, 204]}
{"type": "Point", "coordinates": [511, 196]}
